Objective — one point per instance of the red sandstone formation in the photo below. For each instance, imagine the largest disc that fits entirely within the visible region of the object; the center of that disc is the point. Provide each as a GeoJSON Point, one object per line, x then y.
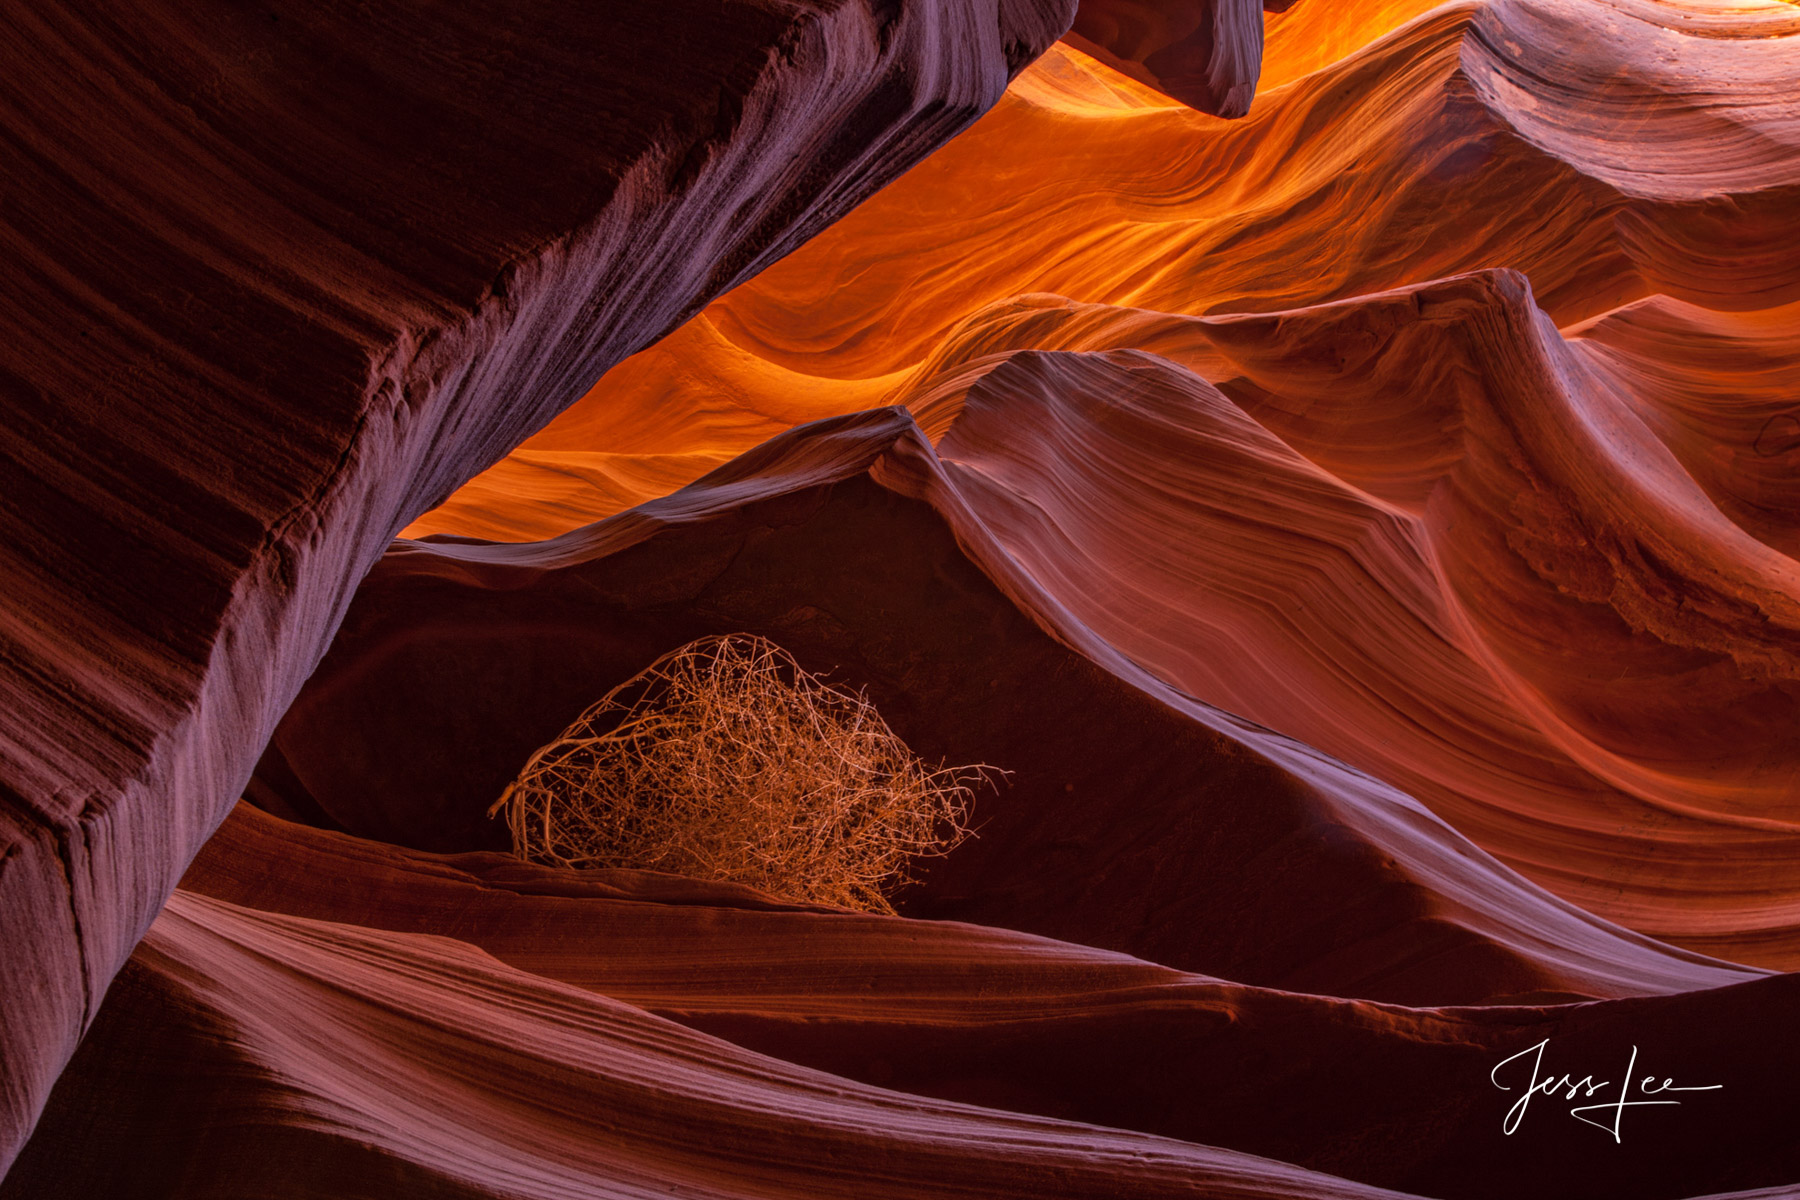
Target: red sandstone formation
{"type": "Point", "coordinates": [829, 1051]}
{"type": "Point", "coordinates": [1417, 503]}
{"type": "Point", "coordinates": [1364, 532]}
{"type": "Point", "coordinates": [1205, 53]}
{"type": "Point", "coordinates": [372, 1064]}
{"type": "Point", "coordinates": [1399, 149]}
{"type": "Point", "coordinates": [280, 278]}
{"type": "Point", "coordinates": [1135, 819]}
{"type": "Point", "coordinates": [1526, 557]}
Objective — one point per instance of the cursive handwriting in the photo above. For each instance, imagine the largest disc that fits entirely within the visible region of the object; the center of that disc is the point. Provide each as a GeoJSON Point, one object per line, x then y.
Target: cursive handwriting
{"type": "Point", "coordinates": [1585, 1088]}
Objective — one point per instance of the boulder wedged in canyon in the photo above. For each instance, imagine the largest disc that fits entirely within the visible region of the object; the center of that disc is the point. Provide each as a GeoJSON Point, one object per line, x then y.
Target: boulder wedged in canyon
{"type": "Point", "coordinates": [278, 279]}
{"type": "Point", "coordinates": [1134, 818]}
{"type": "Point", "coordinates": [1205, 53]}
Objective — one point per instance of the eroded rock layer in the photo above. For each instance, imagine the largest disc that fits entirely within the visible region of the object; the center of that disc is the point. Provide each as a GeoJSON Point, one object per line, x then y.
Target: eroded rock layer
{"type": "Point", "coordinates": [849, 543]}
{"type": "Point", "coordinates": [470, 1025]}
{"type": "Point", "coordinates": [1361, 537]}
{"type": "Point", "coordinates": [279, 278]}
{"type": "Point", "coordinates": [1440, 414]}
{"type": "Point", "coordinates": [1205, 53]}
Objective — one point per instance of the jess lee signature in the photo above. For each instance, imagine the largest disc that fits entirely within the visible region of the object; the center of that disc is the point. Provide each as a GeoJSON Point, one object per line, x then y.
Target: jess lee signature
{"type": "Point", "coordinates": [1585, 1088]}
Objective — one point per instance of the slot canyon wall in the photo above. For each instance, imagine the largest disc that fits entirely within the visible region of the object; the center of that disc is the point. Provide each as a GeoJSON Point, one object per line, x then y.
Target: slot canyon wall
{"type": "Point", "coordinates": [1496, 499]}
{"type": "Point", "coordinates": [1339, 465]}
{"type": "Point", "coordinates": [280, 278]}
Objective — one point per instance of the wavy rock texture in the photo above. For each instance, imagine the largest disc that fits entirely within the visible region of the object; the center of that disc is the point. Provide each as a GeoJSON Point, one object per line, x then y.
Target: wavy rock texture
{"type": "Point", "coordinates": [1205, 53]}
{"type": "Point", "coordinates": [470, 1025]}
{"type": "Point", "coordinates": [318, 1040]}
{"type": "Point", "coordinates": [277, 280]}
{"type": "Point", "coordinates": [1134, 819]}
{"type": "Point", "coordinates": [1364, 532]}
{"type": "Point", "coordinates": [820, 1050]}
{"type": "Point", "coordinates": [1441, 414]}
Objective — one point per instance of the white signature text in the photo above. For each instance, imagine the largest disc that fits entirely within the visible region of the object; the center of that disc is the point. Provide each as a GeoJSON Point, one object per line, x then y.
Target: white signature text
{"type": "Point", "coordinates": [1610, 1113]}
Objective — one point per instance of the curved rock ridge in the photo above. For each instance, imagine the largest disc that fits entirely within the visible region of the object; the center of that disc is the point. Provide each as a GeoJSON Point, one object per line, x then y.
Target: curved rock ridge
{"type": "Point", "coordinates": [1134, 817]}
{"type": "Point", "coordinates": [1377, 525]}
{"type": "Point", "coordinates": [1470, 136]}
{"type": "Point", "coordinates": [1544, 582]}
{"type": "Point", "coordinates": [353, 1063]}
{"type": "Point", "coordinates": [1719, 390]}
{"type": "Point", "coordinates": [279, 279]}
{"type": "Point", "coordinates": [1205, 53]}
{"type": "Point", "coordinates": [403, 1041]}
{"type": "Point", "coordinates": [1388, 557]}
{"type": "Point", "coordinates": [1362, 535]}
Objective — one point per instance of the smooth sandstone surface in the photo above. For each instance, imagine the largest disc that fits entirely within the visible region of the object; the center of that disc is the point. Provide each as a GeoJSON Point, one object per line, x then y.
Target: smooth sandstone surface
{"type": "Point", "coordinates": [1440, 414]}
{"type": "Point", "coordinates": [278, 279]}
{"type": "Point", "coordinates": [1362, 532]}
{"type": "Point", "coordinates": [828, 1051]}
{"type": "Point", "coordinates": [1205, 53]}
{"type": "Point", "coordinates": [375, 1017]}
{"type": "Point", "coordinates": [1133, 818]}
{"type": "Point", "coordinates": [419, 1067]}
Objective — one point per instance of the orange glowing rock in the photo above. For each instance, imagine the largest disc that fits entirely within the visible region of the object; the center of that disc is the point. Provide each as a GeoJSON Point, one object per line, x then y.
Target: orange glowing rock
{"type": "Point", "coordinates": [277, 278]}
{"type": "Point", "coordinates": [1365, 533]}
{"type": "Point", "coordinates": [1526, 554]}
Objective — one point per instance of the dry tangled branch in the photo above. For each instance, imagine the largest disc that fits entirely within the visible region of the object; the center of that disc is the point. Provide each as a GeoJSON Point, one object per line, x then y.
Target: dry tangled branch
{"type": "Point", "coordinates": [725, 760]}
